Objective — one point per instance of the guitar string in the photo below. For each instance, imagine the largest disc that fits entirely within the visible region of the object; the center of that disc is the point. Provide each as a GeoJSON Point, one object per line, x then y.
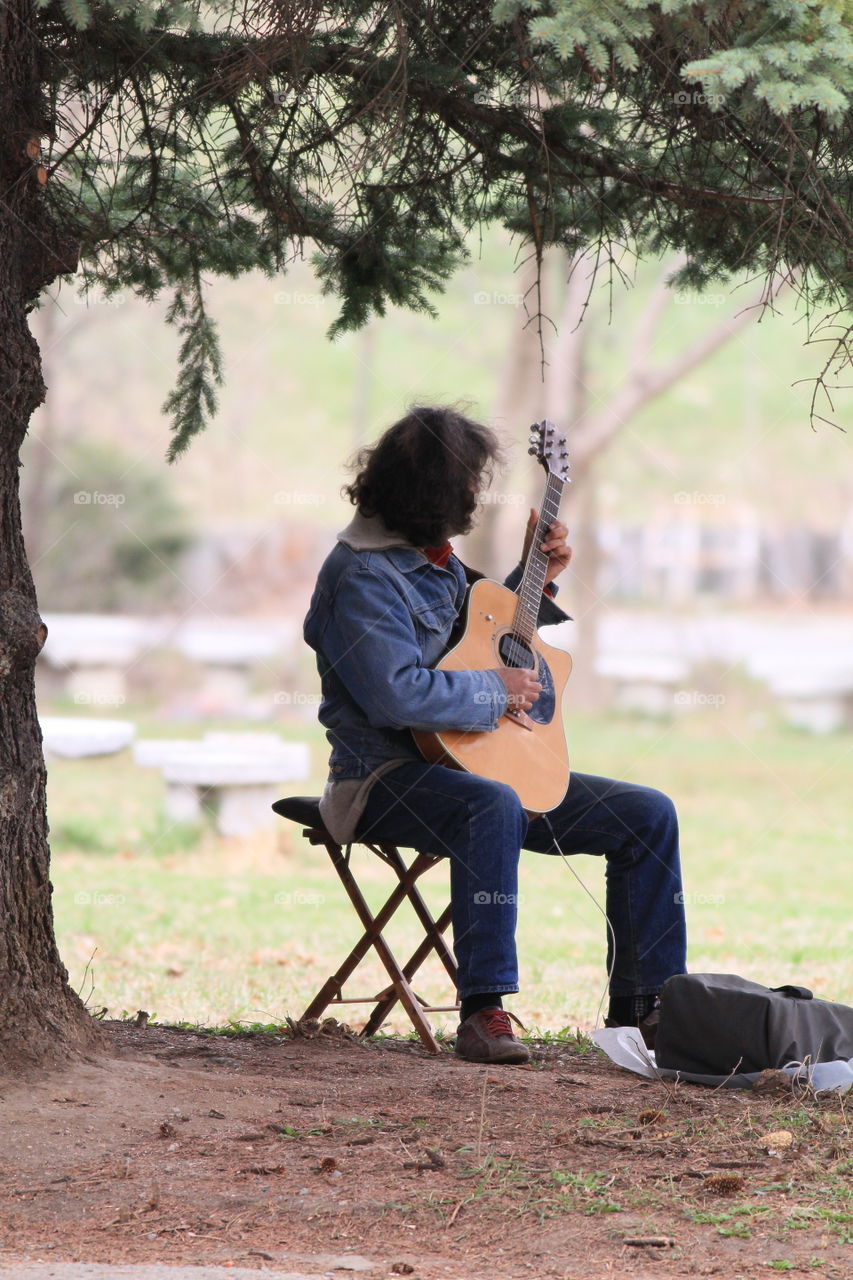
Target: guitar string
{"type": "Point", "coordinates": [537, 563]}
{"type": "Point", "coordinates": [527, 611]}
{"type": "Point", "coordinates": [610, 930]}
{"type": "Point", "coordinates": [529, 593]}
{"type": "Point", "coordinates": [533, 579]}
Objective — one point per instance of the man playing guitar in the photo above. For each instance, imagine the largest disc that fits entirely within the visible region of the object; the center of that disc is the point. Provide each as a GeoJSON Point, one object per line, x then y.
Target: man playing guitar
{"type": "Point", "coordinates": [385, 605]}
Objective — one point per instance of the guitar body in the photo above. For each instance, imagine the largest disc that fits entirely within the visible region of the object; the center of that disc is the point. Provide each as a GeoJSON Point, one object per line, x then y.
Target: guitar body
{"type": "Point", "coordinates": [527, 750]}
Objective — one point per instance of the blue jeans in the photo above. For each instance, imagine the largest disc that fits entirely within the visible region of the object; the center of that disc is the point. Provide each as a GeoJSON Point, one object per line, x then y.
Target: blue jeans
{"type": "Point", "coordinates": [481, 827]}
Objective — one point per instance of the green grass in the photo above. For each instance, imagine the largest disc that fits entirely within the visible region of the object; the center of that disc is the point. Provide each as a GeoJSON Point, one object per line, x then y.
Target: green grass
{"type": "Point", "coordinates": [197, 929]}
{"type": "Point", "coordinates": [587, 1192]}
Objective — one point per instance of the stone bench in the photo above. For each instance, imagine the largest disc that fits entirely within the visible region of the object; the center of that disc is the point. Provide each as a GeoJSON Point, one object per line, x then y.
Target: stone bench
{"type": "Point", "coordinates": [236, 777]}
{"type": "Point", "coordinates": [93, 652]}
{"type": "Point", "coordinates": [70, 738]}
{"type": "Point", "coordinates": [820, 701]}
{"type": "Point", "coordinates": [152, 753]}
{"type": "Point", "coordinates": [227, 654]}
{"type": "Point", "coordinates": [813, 688]}
{"type": "Point", "coordinates": [648, 683]}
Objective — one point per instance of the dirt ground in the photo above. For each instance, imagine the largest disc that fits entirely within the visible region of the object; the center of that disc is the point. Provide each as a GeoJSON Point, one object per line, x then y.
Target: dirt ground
{"type": "Point", "coordinates": [330, 1155]}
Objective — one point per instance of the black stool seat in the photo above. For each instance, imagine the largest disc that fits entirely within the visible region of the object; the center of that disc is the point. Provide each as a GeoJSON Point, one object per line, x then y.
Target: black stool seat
{"type": "Point", "coordinates": [304, 809]}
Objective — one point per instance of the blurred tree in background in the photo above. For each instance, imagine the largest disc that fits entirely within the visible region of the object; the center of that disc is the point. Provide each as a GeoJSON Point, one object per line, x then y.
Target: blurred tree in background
{"type": "Point", "coordinates": [124, 555]}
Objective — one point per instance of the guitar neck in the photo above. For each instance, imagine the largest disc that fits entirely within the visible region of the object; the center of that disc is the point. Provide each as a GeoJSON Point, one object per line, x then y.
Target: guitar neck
{"type": "Point", "coordinates": [536, 564]}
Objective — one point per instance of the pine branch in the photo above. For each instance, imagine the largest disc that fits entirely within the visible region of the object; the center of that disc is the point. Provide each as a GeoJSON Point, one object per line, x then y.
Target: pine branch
{"type": "Point", "coordinates": [192, 403]}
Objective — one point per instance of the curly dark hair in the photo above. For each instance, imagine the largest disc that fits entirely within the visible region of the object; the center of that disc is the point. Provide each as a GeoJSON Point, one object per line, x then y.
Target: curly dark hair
{"type": "Point", "coordinates": [423, 475]}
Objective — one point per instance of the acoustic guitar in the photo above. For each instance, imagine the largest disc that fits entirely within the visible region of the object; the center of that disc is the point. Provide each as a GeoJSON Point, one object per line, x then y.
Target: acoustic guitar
{"type": "Point", "coordinates": [528, 749]}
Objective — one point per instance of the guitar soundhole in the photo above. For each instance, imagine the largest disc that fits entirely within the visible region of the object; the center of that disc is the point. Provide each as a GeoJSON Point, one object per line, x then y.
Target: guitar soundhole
{"type": "Point", "coordinates": [514, 652]}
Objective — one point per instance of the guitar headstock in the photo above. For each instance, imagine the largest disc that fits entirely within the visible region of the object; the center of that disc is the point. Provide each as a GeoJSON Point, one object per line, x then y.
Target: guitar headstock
{"type": "Point", "coordinates": [549, 447]}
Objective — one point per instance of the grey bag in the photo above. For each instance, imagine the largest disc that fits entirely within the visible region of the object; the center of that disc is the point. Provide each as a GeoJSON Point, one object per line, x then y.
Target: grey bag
{"type": "Point", "coordinates": [714, 1024]}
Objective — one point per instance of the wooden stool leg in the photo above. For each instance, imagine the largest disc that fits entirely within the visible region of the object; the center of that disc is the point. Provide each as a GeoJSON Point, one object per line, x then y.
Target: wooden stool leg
{"type": "Point", "coordinates": [433, 931]}
{"type": "Point", "coordinates": [372, 936]}
{"type": "Point", "coordinates": [332, 988]}
{"type": "Point", "coordinates": [386, 1003]}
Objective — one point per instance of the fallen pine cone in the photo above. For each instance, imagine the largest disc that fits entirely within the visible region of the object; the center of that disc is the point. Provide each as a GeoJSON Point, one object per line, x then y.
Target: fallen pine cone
{"type": "Point", "coordinates": [777, 1142]}
{"type": "Point", "coordinates": [724, 1184]}
{"type": "Point", "coordinates": [651, 1116]}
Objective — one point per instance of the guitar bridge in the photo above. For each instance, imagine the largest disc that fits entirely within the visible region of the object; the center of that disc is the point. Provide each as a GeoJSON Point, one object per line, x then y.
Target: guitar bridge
{"type": "Point", "coordinates": [521, 718]}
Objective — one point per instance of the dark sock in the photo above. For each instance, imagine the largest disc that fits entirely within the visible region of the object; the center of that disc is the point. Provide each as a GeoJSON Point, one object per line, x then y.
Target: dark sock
{"type": "Point", "coordinates": [473, 1004]}
{"type": "Point", "coordinates": [629, 1011]}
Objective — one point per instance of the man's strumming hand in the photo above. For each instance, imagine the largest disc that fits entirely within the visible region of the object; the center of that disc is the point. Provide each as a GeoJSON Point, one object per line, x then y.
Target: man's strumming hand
{"type": "Point", "coordinates": [522, 687]}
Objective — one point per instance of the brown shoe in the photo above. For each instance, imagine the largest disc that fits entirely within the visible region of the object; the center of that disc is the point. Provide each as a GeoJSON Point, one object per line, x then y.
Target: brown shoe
{"type": "Point", "coordinates": [487, 1037]}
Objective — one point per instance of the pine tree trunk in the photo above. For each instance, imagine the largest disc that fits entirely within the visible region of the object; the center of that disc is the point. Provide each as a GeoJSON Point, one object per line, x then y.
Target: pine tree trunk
{"type": "Point", "coordinates": [40, 468]}
{"type": "Point", "coordinates": [42, 1022]}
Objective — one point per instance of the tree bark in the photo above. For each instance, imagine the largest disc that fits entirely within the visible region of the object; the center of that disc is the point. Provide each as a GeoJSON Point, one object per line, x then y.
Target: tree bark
{"type": "Point", "coordinates": [496, 540]}
{"type": "Point", "coordinates": [38, 479]}
{"type": "Point", "coordinates": [42, 1022]}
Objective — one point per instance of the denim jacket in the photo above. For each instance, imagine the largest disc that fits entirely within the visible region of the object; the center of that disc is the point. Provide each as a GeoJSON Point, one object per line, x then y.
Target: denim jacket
{"type": "Point", "coordinates": [379, 619]}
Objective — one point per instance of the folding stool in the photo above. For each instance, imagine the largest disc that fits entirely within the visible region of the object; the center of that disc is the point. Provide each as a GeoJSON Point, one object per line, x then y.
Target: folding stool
{"type": "Point", "coordinates": [306, 811]}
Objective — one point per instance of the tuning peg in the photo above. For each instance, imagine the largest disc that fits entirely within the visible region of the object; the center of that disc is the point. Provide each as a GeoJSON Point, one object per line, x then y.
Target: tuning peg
{"type": "Point", "coordinates": [533, 449]}
{"type": "Point", "coordinates": [533, 438]}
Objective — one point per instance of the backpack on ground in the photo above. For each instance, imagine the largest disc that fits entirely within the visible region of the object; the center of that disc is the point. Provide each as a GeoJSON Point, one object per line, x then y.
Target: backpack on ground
{"type": "Point", "coordinates": [716, 1024]}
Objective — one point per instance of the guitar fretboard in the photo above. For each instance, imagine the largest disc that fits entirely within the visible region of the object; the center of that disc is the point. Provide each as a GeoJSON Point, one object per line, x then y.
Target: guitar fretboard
{"type": "Point", "coordinates": [536, 565]}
